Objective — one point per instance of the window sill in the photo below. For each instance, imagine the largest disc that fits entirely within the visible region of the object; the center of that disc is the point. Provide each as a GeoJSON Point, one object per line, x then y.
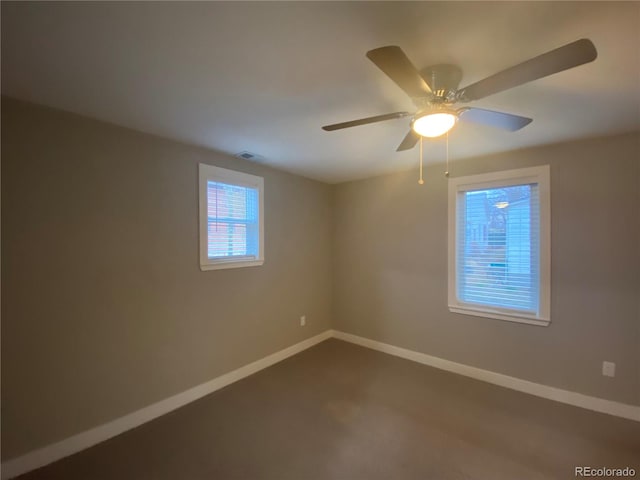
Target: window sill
{"type": "Point", "coordinates": [509, 317]}
{"type": "Point", "coordinates": [230, 264]}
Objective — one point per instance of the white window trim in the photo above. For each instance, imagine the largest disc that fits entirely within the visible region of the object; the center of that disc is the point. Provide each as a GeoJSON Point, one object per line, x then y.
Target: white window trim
{"type": "Point", "coordinates": [207, 173]}
{"type": "Point", "coordinates": [539, 175]}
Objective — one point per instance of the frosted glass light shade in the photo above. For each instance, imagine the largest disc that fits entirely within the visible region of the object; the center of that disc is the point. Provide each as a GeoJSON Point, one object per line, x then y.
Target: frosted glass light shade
{"type": "Point", "coordinates": [434, 124]}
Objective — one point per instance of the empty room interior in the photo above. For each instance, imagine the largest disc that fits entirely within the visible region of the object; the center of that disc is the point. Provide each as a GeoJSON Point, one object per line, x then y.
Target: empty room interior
{"type": "Point", "coordinates": [320, 240]}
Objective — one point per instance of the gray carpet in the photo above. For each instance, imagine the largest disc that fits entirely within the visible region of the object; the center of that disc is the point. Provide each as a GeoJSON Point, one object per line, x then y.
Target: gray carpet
{"type": "Point", "coordinates": [339, 411]}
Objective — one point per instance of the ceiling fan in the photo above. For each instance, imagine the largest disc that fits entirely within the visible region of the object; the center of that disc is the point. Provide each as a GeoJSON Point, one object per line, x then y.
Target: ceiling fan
{"type": "Point", "coordinates": [434, 90]}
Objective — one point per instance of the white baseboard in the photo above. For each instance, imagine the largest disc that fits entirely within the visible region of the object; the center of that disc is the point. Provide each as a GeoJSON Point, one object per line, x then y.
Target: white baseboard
{"type": "Point", "coordinates": [631, 412]}
{"type": "Point", "coordinates": [68, 446]}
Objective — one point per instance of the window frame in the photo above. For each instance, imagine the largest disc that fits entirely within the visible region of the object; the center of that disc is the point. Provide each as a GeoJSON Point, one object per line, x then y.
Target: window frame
{"type": "Point", "coordinates": [539, 175]}
{"type": "Point", "coordinates": [208, 173]}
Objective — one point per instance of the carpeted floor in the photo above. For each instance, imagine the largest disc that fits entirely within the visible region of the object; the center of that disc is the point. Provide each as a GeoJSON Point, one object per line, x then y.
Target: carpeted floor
{"type": "Point", "coordinates": [339, 411]}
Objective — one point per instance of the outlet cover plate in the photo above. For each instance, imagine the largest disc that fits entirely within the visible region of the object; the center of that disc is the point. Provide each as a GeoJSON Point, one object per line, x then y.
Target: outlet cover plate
{"type": "Point", "coordinates": [608, 369]}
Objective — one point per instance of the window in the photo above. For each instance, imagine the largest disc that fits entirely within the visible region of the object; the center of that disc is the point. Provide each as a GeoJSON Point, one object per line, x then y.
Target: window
{"type": "Point", "coordinates": [499, 245]}
{"type": "Point", "coordinates": [231, 219]}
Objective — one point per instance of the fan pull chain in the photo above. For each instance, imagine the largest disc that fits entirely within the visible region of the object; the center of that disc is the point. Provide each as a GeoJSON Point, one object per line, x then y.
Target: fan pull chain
{"type": "Point", "coordinates": [421, 181]}
{"type": "Point", "coordinates": [446, 173]}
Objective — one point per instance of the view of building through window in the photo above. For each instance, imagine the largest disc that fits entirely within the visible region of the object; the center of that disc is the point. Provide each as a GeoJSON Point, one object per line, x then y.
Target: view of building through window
{"type": "Point", "coordinates": [499, 253]}
{"type": "Point", "coordinates": [232, 220]}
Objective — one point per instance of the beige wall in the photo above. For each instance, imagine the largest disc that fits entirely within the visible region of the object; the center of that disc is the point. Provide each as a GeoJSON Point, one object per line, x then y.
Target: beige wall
{"type": "Point", "coordinates": [105, 309]}
{"type": "Point", "coordinates": [390, 269]}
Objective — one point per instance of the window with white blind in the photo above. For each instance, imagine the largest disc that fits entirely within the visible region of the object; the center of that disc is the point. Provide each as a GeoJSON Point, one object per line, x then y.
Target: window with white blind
{"type": "Point", "coordinates": [231, 218]}
{"type": "Point", "coordinates": [499, 245]}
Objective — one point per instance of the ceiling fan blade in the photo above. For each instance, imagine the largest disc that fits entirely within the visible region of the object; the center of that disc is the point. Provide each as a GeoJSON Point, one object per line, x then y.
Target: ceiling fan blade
{"type": "Point", "coordinates": [364, 121]}
{"type": "Point", "coordinates": [502, 120]}
{"type": "Point", "coordinates": [563, 58]}
{"type": "Point", "coordinates": [393, 61]}
{"type": "Point", "coordinates": [409, 141]}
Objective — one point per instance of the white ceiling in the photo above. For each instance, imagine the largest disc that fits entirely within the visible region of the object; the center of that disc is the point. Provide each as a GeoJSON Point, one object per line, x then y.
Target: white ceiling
{"type": "Point", "coordinates": [265, 76]}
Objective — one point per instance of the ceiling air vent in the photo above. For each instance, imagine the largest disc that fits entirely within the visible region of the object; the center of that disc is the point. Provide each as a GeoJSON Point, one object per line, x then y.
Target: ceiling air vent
{"type": "Point", "coordinates": [249, 156]}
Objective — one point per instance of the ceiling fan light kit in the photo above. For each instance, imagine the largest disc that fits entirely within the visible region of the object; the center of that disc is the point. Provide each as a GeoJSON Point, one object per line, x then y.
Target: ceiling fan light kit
{"type": "Point", "coordinates": [434, 90]}
{"type": "Point", "coordinates": [434, 123]}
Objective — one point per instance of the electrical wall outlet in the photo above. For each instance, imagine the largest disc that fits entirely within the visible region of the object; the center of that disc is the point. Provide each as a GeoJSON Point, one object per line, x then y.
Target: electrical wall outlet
{"type": "Point", "coordinates": [303, 320]}
{"type": "Point", "coordinates": [608, 369]}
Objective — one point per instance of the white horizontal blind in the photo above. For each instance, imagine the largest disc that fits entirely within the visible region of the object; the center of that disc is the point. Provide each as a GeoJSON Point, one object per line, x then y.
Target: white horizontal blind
{"type": "Point", "coordinates": [498, 247]}
{"type": "Point", "coordinates": [232, 221]}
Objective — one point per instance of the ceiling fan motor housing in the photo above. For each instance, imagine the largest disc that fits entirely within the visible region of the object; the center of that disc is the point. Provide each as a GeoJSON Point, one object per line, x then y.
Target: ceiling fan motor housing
{"type": "Point", "coordinates": [443, 79]}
